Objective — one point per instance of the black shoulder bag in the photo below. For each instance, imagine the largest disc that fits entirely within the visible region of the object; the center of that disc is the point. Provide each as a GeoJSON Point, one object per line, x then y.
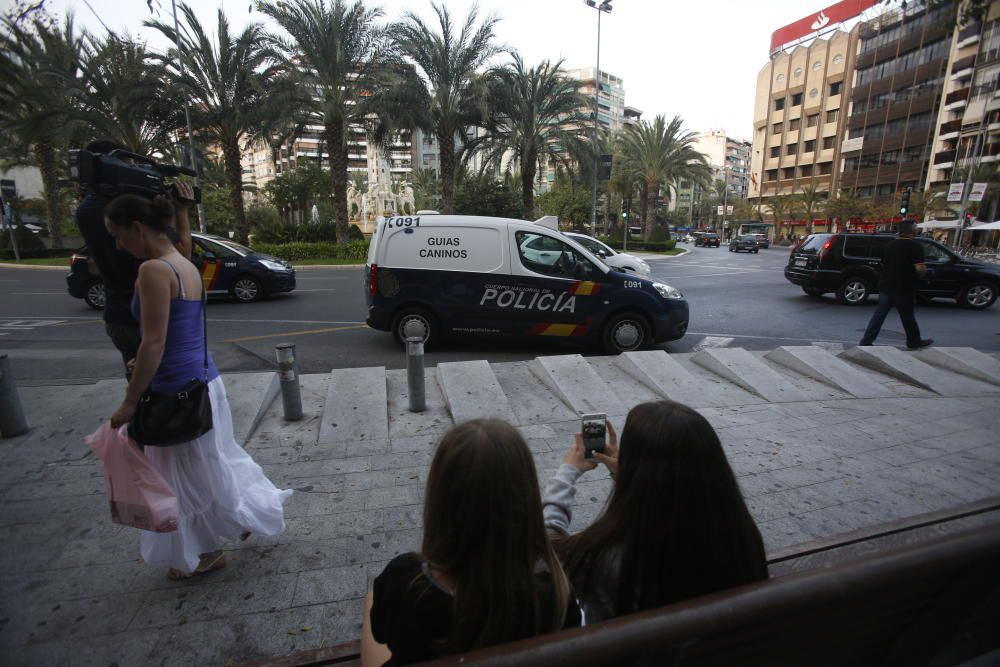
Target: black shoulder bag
{"type": "Point", "coordinates": [164, 419]}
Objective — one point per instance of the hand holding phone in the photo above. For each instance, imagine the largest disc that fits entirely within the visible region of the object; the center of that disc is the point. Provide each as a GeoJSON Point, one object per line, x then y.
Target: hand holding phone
{"type": "Point", "coordinates": [593, 429]}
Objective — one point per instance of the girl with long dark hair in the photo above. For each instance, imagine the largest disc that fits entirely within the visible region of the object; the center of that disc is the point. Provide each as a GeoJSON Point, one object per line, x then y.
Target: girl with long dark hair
{"type": "Point", "coordinates": [675, 526]}
{"type": "Point", "coordinates": [486, 572]}
{"type": "Point", "coordinates": [221, 492]}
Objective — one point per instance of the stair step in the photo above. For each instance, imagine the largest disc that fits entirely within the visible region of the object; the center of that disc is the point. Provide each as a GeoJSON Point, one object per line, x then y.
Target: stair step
{"type": "Point", "coordinates": [249, 396]}
{"type": "Point", "coordinates": [821, 365]}
{"type": "Point", "coordinates": [907, 367]}
{"type": "Point", "coordinates": [750, 372]}
{"type": "Point", "coordinates": [356, 406]}
{"type": "Point", "coordinates": [665, 375]}
{"type": "Point", "coordinates": [531, 401]}
{"type": "Point", "coordinates": [471, 390]}
{"type": "Point", "coordinates": [433, 420]}
{"type": "Point", "coordinates": [963, 360]}
{"type": "Point", "coordinates": [579, 386]}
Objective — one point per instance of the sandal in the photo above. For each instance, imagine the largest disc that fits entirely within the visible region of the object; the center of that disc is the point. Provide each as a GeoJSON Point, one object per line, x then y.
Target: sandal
{"type": "Point", "coordinates": [210, 562]}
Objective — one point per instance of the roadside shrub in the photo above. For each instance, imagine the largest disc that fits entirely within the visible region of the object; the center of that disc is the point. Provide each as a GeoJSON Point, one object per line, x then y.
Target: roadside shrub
{"type": "Point", "coordinates": [277, 231]}
{"type": "Point", "coordinates": [658, 234]}
{"type": "Point", "coordinates": [354, 233]}
{"type": "Point", "coordinates": [298, 250]}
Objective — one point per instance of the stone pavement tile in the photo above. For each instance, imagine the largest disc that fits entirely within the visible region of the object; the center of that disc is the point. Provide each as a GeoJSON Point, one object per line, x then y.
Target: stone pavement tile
{"type": "Point", "coordinates": [435, 418]}
{"type": "Point", "coordinates": [758, 484]}
{"type": "Point", "coordinates": [985, 470]}
{"type": "Point", "coordinates": [420, 443]}
{"type": "Point", "coordinates": [408, 476]}
{"type": "Point", "coordinates": [823, 523]}
{"type": "Point", "coordinates": [763, 510]}
{"type": "Point", "coordinates": [843, 489]}
{"type": "Point", "coordinates": [900, 455]}
{"type": "Point", "coordinates": [328, 484]}
{"type": "Point", "coordinates": [584, 515]}
{"type": "Point", "coordinates": [381, 546]}
{"type": "Point", "coordinates": [550, 459]}
{"type": "Point", "coordinates": [913, 483]}
{"type": "Point", "coordinates": [125, 648]}
{"type": "Point", "coordinates": [322, 468]}
{"type": "Point", "coordinates": [986, 453]}
{"type": "Point", "coordinates": [536, 431]}
{"type": "Point", "coordinates": [245, 595]}
{"type": "Point", "coordinates": [593, 491]}
{"type": "Point", "coordinates": [265, 455]}
{"type": "Point", "coordinates": [375, 568]}
{"type": "Point", "coordinates": [214, 642]}
{"type": "Point", "coordinates": [400, 518]}
{"type": "Point", "coordinates": [50, 621]}
{"type": "Point", "coordinates": [396, 496]}
{"type": "Point", "coordinates": [179, 605]}
{"type": "Point", "coordinates": [314, 451]}
{"type": "Point", "coordinates": [363, 481]}
{"type": "Point", "coordinates": [396, 461]}
{"type": "Point", "coordinates": [45, 489]}
{"type": "Point", "coordinates": [783, 532]}
{"type": "Point", "coordinates": [888, 505]}
{"type": "Point", "coordinates": [328, 526]}
{"type": "Point", "coordinates": [331, 585]}
{"type": "Point", "coordinates": [94, 551]}
{"type": "Point", "coordinates": [14, 473]}
{"type": "Point", "coordinates": [954, 480]}
{"type": "Point", "coordinates": [303, 628]}
{"type": "Point", "coordinates": [538, 445]}
{"type": "Point", "coordinates": [366, 448]}
{"type": "Point", "coordinates": [260, 560]}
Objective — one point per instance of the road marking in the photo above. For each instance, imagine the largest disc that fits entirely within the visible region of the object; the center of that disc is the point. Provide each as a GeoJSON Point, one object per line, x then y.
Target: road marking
{"type": "Point", "coordinates": [708, 275]}
{"type": "Point", "coordinates": [328, 289]}
{"type": "Point", "coordinates": [39, 293]}
{"type": "Point", "coordinates": [27, 325]}
{"type": "Point", "coordinates": [713, 341]}
{"type": "Point", "coordinates": [70, 324]}
{"type": "Point", "coordinates": [294, 333]}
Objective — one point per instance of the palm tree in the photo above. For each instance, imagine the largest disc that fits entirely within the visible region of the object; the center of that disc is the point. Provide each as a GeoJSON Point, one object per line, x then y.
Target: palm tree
{"type": "Point", "coordinates": [124, 96]}
{"type": "Point", "coordinates": [235, 89]}
{"type": "Point", "coordinates": [344, 62]}
{"type": "Point", "coordinates": [660, 154]}
{"type": "Point", "coordinates": [811, 202]}
{"type": "Point", "coordinates": [39, 76]}
{"type": "Point", "coordinates": [781, 206]}
{"type": "Point", "coordinates": [536, 114]}
{"type": "Point", "coordinates": [847, 206]}
{"type": "Point", "coordinates": [448, 59]}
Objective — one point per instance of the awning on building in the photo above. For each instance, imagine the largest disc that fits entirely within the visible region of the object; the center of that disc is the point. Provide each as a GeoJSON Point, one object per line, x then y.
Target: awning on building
{"type": "Point", "coordinates": [940, 224]}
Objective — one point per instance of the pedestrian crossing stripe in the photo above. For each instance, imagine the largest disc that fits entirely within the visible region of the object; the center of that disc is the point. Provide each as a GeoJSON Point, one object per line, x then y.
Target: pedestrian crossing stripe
{"type": "Point", "coordinates": [563, 330]}
{"type": "Point", "coordinates": [209, 274]}
{"type": "Point", "coordinates": [585, 288]}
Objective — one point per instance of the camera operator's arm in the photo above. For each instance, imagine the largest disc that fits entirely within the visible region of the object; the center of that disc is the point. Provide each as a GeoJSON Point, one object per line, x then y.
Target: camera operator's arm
{"type": "Point", "coordinates": [182, 195]}
{"type": "Point", "coordinates": [154, 295]}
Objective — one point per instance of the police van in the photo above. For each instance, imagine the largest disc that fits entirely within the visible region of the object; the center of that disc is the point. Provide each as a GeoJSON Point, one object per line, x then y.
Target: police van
{"type": "Point", "coordinates": [438, 276]}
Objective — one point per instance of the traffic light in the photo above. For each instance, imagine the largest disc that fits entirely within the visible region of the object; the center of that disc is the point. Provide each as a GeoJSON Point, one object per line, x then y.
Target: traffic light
{"type": "Point", "coordinates": [968, 219]}
{"type": "Point", "coordinates": [626, 207]}
{"type": "Point", "coordinates": [904, 205]}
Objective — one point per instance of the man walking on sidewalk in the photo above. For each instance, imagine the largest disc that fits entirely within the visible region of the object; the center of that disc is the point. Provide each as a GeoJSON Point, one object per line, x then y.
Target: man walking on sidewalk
{"type": "Point", "coordinates": [902, 266]}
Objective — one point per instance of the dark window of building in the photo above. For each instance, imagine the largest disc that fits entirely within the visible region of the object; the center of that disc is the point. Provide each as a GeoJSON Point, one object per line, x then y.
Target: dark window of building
{"type": "Point", "coordinates": [825, 168]}
{"type": "Point", "coordinates": [806, 170]}
{"type": "Point", "coordinates": [886, 190]}
{"type": "Point", "coordinates": [831, 116]}
{"type": "Point", "coordinates": [851, 164]}
{"type": "Point", "coordinates": [775, 151]}
{"type": "Point", "coordinates": [771, 175]}
{"type": "Point", "coordinates": [910, 59]}
{"type": "Point", "coordinates": [796, 99]}
{"type": "Point", "coordinates": [685, 185]}
{"type": "Point", "coordinates": [794, 124]}
{"type": "Point", "coordinates": [890, 157]}
{"type": "Point", "coordinates": [828, 142]}
{"type": "Point", "coordinates": [915, 153]}
{"type": "Point", "coordinates": [865, 192]}
{"type": "Point", "coordinates": [836, 87]}
{"type": "Point", "coordinates": [931, 86]}
{"type": "Point", "coordinates": [788, 172]}
{"type": "Point", "coordinates": [776, 128]}
{"type": "Point", "coordinates": [779, 104]}
{"type": "Point", "coordinates": [791, 149]}
{"type": "Point", "coordinates": [812, 120]}
{"type": "Point", "coordinates": [810, 146]}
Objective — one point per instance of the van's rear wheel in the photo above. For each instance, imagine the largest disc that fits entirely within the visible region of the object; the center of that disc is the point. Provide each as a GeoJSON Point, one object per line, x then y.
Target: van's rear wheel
{"type": "Point", "coordinates": [853, 291]}
{"type": "Point", "coordinates": [625, 332]}
{"type": "Point", "coordinates": [415, 321]}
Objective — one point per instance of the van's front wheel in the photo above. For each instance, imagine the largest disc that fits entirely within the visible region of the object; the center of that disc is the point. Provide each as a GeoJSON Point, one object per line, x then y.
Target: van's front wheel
{"type": "Point", "coordinates": [414, 321]}
{"type": "Point", "coordinates": [624, 332]}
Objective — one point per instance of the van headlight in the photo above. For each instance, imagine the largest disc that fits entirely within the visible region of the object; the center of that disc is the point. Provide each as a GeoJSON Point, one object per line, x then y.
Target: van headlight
{"type": "Point", "coordinates": [668, 292]}
{"type": "Point", "coordinates": [274, 266]}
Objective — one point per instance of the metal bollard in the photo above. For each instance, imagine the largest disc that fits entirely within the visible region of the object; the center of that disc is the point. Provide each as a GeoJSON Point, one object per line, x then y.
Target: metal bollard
{"type": "Point", "coordinates": [415, 373]}
{"type": "Point", "coordinates": [288, 373]}
{"type": "Point", "coordinates": [12, 420]}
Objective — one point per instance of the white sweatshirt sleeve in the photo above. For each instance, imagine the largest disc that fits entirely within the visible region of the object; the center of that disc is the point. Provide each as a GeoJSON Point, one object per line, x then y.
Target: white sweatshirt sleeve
{"type": "Point", "coordinates": [559, 498]}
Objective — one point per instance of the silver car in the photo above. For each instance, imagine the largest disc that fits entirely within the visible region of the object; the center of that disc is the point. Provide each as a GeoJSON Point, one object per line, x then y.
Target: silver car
{"type": "Point", "coordinates": [616, 260]}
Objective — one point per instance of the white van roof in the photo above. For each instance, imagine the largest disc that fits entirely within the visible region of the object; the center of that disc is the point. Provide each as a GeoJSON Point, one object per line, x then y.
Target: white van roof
{"type": "Point", "coordinates": [550, 221]}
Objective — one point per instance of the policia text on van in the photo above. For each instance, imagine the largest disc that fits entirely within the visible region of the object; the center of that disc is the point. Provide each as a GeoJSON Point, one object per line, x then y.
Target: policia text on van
{"type": "Point", "coordinates": [452, 275]}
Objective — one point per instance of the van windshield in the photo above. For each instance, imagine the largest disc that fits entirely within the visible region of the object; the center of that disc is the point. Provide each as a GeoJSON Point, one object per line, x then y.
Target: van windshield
{"type": "Point", "coordinates": [814, 242]}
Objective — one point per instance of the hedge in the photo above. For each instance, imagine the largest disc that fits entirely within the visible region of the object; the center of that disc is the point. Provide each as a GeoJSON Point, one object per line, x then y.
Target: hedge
{"type": "Point", "coordinates": [651, 246]}
{"type": "Point", "coordinates": [357, 250]}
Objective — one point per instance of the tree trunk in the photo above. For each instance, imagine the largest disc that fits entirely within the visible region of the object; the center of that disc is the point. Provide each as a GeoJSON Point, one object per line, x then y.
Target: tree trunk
{"type": "Point", "coordinates": [529, 166]}
{"type": "Point", "coordinates": [46, 157]}
{"type": "Point", "coordinates": [446, 144]}
{"type": "Point", "coordinates": [338, 177]}
{"type": "Point", "coordinates": [649, 209]}
{"type": "Point", "coordinates": [234, 174]}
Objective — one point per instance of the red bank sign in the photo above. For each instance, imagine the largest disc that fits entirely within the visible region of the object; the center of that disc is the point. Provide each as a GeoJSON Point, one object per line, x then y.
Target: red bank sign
{"type": "Point", "coordinates": [842, 11]}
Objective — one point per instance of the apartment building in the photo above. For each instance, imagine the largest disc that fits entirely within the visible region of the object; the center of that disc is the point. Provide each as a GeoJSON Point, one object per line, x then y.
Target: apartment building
{"type": "Point", "coordinates": [967, 129]}
{"type": "Point", "coordinates": [799, 117]}
{"type": "Point", "coordinates": [730, 160]}
{"type": "Point", "coordinates": [895, 100]}
{"type": "Point", "coordinates": [610, 99]}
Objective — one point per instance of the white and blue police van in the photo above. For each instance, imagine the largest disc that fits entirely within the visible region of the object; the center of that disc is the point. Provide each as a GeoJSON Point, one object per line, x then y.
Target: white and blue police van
{"type": "Point", "coordinates": [442, 276]}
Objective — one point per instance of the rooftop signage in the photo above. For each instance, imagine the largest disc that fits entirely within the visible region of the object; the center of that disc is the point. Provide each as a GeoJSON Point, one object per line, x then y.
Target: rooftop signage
{"type": "Point", "coordinates": [832, 15]}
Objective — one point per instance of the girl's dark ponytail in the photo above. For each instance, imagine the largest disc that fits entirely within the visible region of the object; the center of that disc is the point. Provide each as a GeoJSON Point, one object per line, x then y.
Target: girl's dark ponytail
{"type": "Point", "coordinates": [155, 214]}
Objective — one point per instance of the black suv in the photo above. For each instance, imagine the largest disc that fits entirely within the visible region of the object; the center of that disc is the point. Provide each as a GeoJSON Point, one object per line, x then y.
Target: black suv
{"type": "Point", "coordinates": [848, 265]}
{"type": "Point", "coordinates": [746, 242]}
{"type": "Point", "coordinates": [707, 240]}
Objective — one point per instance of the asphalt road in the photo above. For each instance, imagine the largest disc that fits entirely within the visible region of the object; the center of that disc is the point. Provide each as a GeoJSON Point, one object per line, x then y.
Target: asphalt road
{"type": "Point", "coordinates": [737, 300]}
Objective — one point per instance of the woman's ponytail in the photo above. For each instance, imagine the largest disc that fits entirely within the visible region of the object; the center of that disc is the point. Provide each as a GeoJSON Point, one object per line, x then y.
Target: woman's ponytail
{"type": "Point", "coordinates": [155, 214]}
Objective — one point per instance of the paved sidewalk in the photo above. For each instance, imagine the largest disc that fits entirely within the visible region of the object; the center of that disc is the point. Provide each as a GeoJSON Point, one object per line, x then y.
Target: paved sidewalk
{"type": "Point", "coordinates": [74, 591]}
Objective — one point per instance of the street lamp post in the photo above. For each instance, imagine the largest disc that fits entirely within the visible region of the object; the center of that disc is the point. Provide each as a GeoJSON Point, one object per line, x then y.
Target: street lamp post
{"type": "Point", "coordinates": [187, 117]}
{"type": "Point", "coordinates": [603, 7]}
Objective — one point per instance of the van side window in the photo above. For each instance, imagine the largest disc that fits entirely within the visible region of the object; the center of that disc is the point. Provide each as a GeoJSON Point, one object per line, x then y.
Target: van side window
{"type": "Point", "coordinates": [551, 257]}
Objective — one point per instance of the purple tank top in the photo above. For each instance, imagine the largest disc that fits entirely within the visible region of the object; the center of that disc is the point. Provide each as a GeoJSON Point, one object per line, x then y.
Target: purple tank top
{"type": "Point", "coordinates": [184, 350]}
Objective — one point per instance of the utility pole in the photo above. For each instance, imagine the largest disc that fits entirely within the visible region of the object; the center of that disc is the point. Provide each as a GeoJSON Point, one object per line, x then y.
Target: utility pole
{"type": "Point", "coordinates": [605, 6]}
{"type": "Point", "coordinates": [187, 117]}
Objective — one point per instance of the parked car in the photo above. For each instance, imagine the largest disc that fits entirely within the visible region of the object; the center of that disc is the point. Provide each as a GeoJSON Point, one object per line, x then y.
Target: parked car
{"type": "Point", "coordinates": [616, 260]}
{"type": "Point", "coordinates": [707, 239]}
{"type": "Point", "coordinates": [747, 242]}
{"type": "Point", "coordinates": [848, 265]}
{"type": "Point", "coordinates": [762, 241]}
{"type": "Point", "coordinates": [226, 268]}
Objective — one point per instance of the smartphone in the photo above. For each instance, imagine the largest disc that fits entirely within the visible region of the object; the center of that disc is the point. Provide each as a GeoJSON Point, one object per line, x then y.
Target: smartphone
{"type": "Point", "coordinates": [595, 433]}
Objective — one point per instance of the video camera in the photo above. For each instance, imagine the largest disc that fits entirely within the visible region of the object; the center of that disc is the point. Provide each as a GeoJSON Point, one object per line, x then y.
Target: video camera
{"type": "Point", "coordinates": [119, 171]}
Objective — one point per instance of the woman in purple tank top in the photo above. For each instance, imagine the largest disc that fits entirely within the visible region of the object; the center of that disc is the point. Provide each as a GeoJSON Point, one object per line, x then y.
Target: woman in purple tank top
{"type": "Point", "coordinates": [221, 492]}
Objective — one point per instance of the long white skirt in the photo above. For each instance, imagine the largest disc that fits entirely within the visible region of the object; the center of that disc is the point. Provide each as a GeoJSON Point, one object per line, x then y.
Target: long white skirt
{"type": "Point", "coordinates": [221, 493]}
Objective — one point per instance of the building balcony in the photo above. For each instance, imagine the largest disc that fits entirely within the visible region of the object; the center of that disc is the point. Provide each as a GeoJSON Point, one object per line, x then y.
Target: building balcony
{"type": "Point", "coordinates": [950, 130]}
{"type": "Point", "coordinates": [968, 35]}
{"type": "Point", "coordinates": [963, 68]}
{"type": "Point", "coordinates": [944, 160]}
{"type": "Point", "coordinates": [956, 100]}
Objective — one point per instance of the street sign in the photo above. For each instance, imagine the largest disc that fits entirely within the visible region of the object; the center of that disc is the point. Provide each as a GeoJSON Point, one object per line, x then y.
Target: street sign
{"type": "Point", "coordinates": [977, 192]}
{"type": "Point", "coordinates": [719, 209]}
{"type": "Point", "coordinates": [849, 145]}
{"type": "Point", "coordinates": [955, 191]}
{"type": "Point", "coordinates": [729, 210]}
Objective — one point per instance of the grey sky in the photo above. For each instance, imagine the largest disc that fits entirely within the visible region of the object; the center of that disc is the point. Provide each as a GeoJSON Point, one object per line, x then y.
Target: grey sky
{"type": "Point", "coordinates": [697, 59]}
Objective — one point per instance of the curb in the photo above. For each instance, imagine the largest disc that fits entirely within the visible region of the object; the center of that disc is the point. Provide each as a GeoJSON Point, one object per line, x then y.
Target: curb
{"type": "Point", "coordinates": [11, 265]}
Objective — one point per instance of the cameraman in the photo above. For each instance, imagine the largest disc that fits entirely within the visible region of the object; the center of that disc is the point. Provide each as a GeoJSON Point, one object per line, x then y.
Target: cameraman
{"type": "Point", "coordinates": [118, 268]}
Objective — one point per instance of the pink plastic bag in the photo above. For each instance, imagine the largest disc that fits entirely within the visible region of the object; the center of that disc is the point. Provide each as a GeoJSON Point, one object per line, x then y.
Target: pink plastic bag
{"type": "Point", "coordinates": [138, 494]}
